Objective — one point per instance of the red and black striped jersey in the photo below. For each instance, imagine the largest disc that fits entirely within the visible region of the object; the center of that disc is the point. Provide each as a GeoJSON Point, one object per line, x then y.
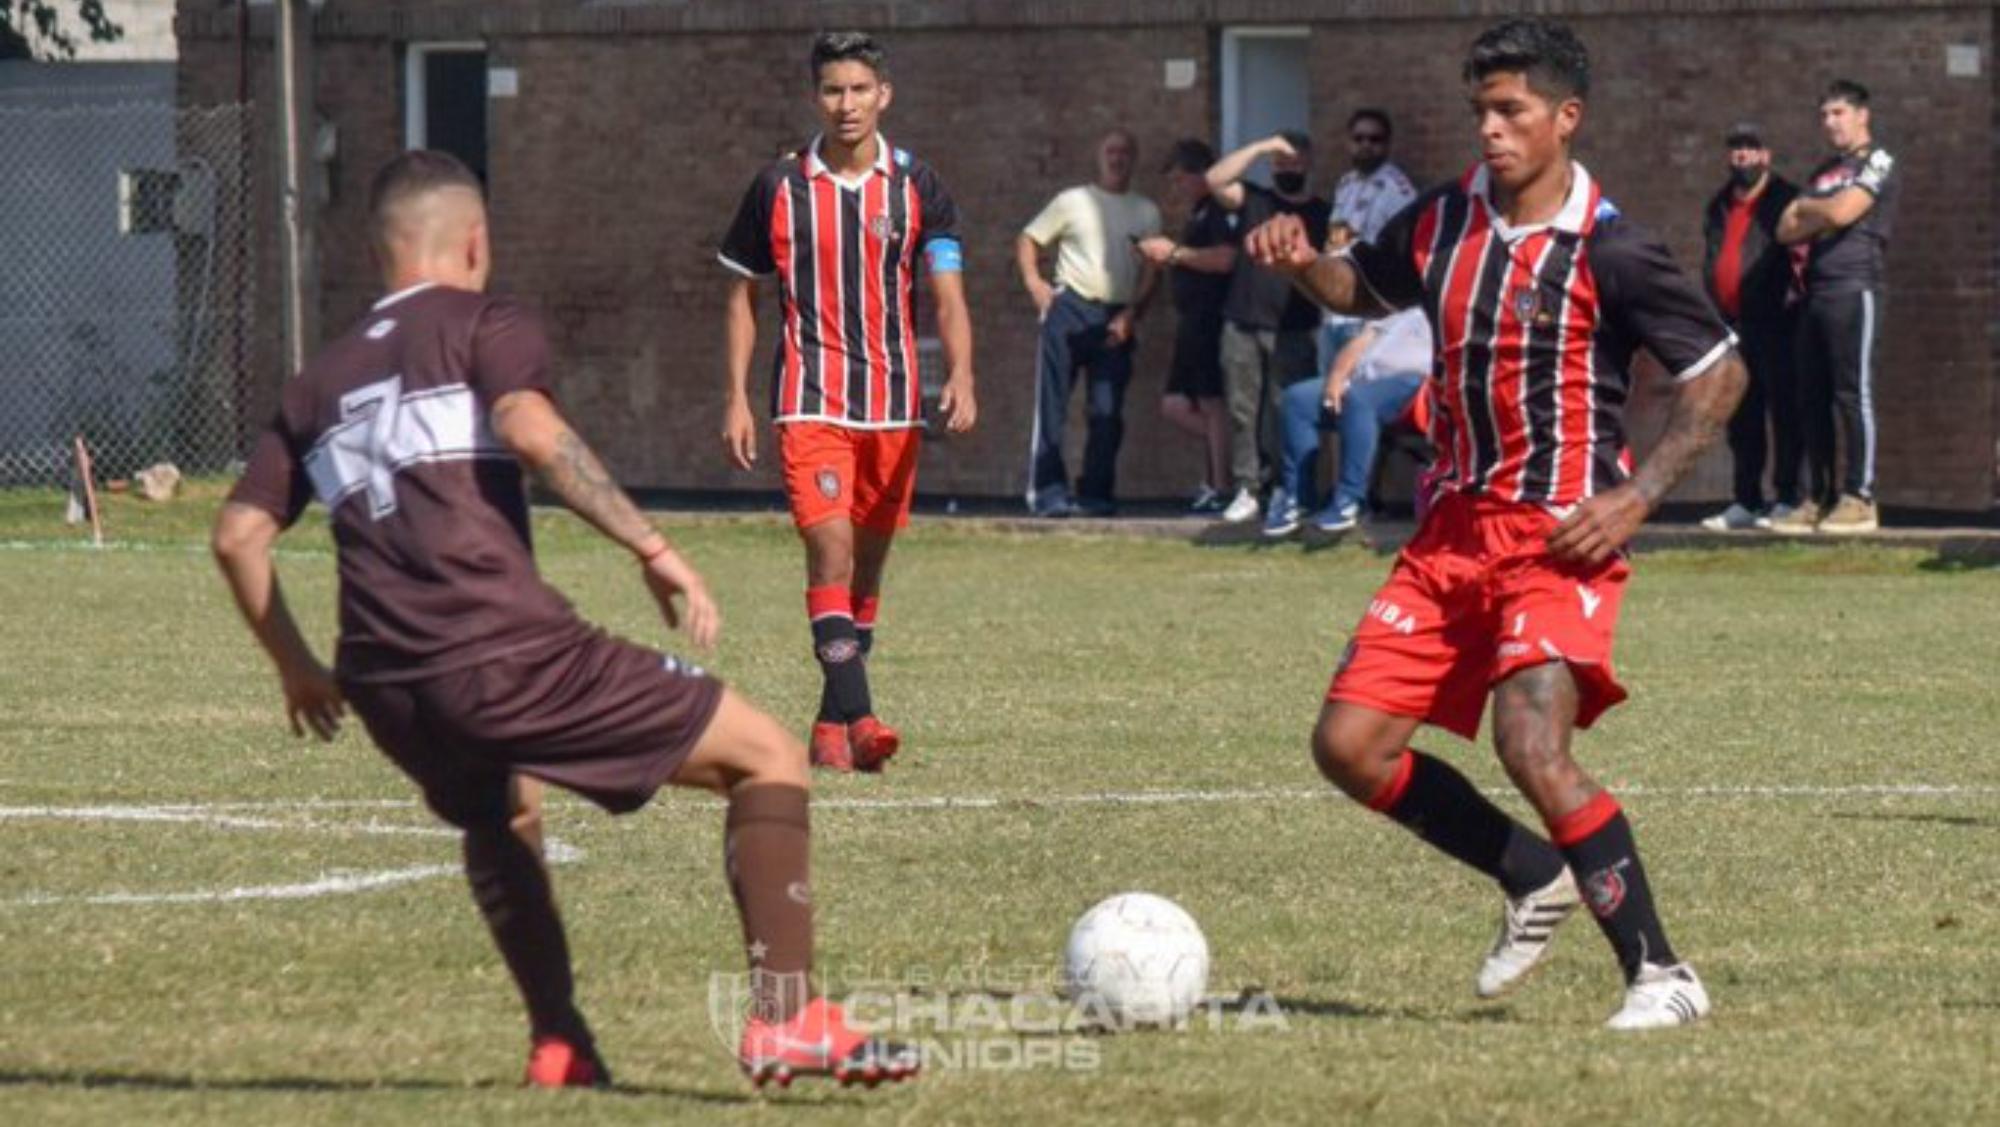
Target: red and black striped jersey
{"type": "Point", "coordinates": [844, 253]}
{"type": "Point", "coordinates": [1534, 331]}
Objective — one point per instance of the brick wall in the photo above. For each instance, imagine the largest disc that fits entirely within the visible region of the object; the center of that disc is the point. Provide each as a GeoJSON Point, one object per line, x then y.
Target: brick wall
{"type": "Point", "coordinates": [637, 127]}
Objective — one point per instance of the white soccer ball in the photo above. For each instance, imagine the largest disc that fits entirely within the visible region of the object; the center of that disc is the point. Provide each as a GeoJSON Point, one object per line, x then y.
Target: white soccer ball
{"type": "Point", "coordinates": [1136, 959]}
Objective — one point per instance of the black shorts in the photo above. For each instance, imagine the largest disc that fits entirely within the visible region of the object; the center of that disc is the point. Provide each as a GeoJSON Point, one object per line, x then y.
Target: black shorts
{"type": "Point", "coordinates": [1197, 365]}
{"type": "Point", "coordinates": [597, 715]}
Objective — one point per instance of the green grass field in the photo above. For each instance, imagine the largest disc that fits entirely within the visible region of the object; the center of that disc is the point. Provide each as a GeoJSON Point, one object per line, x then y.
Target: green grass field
{"type": "Point", "coordinates": [1808, 757]}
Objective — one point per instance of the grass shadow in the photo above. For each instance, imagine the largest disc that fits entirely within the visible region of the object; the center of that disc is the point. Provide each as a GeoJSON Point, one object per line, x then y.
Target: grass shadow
{"type": "Point", "coordinates": [1963, 556]}
{"type": "Point", "coordinates": [1965, 821]}
{"type": "Point", "coordinates": [111, 1079]}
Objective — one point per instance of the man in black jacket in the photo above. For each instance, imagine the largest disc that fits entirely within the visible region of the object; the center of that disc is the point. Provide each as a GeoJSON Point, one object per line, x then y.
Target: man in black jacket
{"type": "Point", "coordinates": [1748, 275]}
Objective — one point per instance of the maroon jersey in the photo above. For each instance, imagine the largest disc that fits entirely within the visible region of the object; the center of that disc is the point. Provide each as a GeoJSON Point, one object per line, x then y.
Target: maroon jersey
{"type": "Point", "coordinates": [389, 427]}
{"type": "Point", "coordinates": [1534, 332]}
{"type": "Point", "coordinates": [844, 253]}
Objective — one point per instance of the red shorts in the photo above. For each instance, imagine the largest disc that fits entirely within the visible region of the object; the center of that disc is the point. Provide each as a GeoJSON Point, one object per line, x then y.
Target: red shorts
{"type": "Point", "coordinates": [867, 476]}
{"type": "Point", "coordinates": [1474, 599]}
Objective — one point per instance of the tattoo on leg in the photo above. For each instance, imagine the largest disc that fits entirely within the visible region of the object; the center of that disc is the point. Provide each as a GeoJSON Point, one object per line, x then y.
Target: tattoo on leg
{"type": "Point", "coordinates": [1532, 714]}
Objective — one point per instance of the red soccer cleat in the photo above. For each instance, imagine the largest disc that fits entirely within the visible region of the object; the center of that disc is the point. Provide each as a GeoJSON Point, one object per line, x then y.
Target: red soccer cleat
{"type": "Point", "coordinates": [830, 748]}
{"type": "Point", "coordinates": [873, 742]}
{"type": "Point", "coordinates": [555, 1063]}
{"type": "Point", "coordinates": [817, 1041]}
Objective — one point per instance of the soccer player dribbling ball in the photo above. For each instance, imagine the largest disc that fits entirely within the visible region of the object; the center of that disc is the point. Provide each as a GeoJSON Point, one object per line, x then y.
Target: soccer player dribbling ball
{"type": "Point", "coordinates": [1538, 291]}
{"type": "Point", "coordinates": [474, 675]}
{"type": "Point", "coordinates": [841, 225]}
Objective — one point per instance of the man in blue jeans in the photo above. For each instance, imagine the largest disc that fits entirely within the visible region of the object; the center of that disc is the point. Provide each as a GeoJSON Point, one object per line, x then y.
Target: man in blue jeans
{"type": "Point", "coordinates": [1371, 383]}
{"type": "Point", "coordinates": [1101, 288]}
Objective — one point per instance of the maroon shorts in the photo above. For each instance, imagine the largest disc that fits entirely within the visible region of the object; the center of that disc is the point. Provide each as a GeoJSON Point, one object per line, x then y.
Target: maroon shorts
{"type": "Point", "coordinates": [599, 716]}
{"type": "Point", "coordinates": [1474, 599]}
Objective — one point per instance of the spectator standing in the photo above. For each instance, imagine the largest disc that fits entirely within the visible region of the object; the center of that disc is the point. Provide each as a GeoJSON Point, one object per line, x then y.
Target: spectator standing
{"type": "Point", "coordinates": [1748, 273]}
{"type": "Point", "coordinates": [1267, 330]}
{"type": "Point", "coordinates": [1201, 262]}
{"type": "Point", "coordinates": [1368, 193]}
{"type": "Point", "coordinates": [1844, 216]}
{"type": "Point", "coordinates": [1087, 314]}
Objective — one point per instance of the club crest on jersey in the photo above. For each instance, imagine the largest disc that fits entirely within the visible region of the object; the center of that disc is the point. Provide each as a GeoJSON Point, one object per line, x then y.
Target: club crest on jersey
{"type": "Point", "coordinates": [1604, 890]}
{"type": "Point", "coordinates": [1527, 302]}
{"type": "Point", "coordinates": [880, 227]}
{"type": "Point", "coordinates": [829, 484]}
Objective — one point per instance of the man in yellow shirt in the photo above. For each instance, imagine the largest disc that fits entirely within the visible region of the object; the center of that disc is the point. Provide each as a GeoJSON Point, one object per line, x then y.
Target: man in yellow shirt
{"type": "Point", "coordinates": [1101, 288]}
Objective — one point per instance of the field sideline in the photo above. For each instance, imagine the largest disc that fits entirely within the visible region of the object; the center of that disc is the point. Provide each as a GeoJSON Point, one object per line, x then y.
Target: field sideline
{"type": "Point", "coordinates": [206, 922]}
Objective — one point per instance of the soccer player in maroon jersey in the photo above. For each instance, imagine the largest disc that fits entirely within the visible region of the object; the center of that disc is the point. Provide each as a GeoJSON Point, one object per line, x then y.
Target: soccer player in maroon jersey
{"type": "Point", "coordinates": [470, 671]}
{"type": "Point", "coordinates": [1538, 291]}
{"type": "Point", "coordinates": [841, 225]}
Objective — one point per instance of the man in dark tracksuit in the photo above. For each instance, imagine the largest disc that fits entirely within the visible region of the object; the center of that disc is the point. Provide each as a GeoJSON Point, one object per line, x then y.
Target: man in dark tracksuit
{"type": "Point", "coordinates": [1748, 275]}
{"type": "Point", "coordinates": [1844, 214]}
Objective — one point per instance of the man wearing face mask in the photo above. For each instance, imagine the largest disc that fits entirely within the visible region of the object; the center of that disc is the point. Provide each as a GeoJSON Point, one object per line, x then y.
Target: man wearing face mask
{"type": "Point", "coordinates": [1749, 278]}
{"type": "Point", "coordinates": [1268, 328]}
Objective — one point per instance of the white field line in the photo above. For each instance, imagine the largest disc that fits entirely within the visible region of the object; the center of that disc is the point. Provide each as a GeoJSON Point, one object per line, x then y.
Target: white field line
{"type": "Point", "coordinates": [336, 883]}
{"type": "Point", "coordinates": [219, 815]}
{"type": "Point", "coordinates": [1295, 794]}
{"type": "Point", "coordinates": [1129, 798]}
{"type": "Point", "coordinates": [145, 547]}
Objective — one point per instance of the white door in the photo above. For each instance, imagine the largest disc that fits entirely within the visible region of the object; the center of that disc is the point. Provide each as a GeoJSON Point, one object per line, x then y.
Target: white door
{"type": "Point", "coordinates": [1264, 86]}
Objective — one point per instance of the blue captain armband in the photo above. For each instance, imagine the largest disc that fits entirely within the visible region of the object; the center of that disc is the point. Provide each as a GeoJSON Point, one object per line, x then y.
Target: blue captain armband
{"type": "Point", "coordinates": [944, 256]}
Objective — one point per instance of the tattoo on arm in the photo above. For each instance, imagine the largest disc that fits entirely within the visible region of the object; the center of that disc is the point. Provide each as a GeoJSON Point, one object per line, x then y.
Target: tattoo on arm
{"type": "Point", "coordinates": [575, 474]}
{"type": "Point", "coordinates": [1702, 407]}
{"type": "Point", "coordinates": [1335, 284]}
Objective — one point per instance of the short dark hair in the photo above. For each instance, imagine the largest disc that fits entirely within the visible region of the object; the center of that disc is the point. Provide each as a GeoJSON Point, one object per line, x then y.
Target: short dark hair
{"type": "Point", "coordinates": [849, 46]}
{"type": "Point", "coordinates": [1378, 116]}
{"type": "Point", "coordinates": [1298, 139]}
{"type": "Point", "coordinates": [1544, 51]}
{"type": "Point", "coordinates": [1845, 90]}
{"type": "Point", "coordinates": [414, 173]}
{"type": "Point", "coordinates": [1189, 154]}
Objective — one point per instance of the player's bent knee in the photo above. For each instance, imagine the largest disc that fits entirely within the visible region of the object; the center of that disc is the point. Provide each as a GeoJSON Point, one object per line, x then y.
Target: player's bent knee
{"type": "Point", "coordinates": [1353, 755]}
{"type": "Point", "coordinates": [743, 744]}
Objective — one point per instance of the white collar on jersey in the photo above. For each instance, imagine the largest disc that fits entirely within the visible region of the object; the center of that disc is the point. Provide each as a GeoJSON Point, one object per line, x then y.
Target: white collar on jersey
{"type": "Point", "coordinates": [1574, 214]}
{"type": "Point", "coordinates": [400, 295]}
{"type": "Point", "coordinates": [817, 167]}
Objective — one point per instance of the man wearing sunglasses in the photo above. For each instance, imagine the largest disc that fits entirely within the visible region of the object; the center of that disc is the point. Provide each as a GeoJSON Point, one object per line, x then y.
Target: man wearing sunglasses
{"type": "Point", "coordinates": [1369, 192]}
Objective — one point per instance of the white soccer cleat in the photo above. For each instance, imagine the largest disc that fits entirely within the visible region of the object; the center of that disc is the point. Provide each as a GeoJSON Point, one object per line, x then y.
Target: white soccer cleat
{"type": "Point", "coordinates": [1526, 926]}
{"type": "Point", "coordinates": [1661, 998]}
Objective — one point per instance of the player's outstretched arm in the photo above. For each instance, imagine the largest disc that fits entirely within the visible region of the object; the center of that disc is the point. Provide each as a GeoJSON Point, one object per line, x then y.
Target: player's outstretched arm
{"type": "Point", "coordinates": [1281, 245]}
{"type": "Point", "coordinates": [739, 426]}
{"type": "Point", "coordinates": [1600, 525]}
{"type": "Point", "coordinates": [958, 402]}
{"type": "Point", "coordinates": [242, 541]}
{"type": "Point", "coordinates": [536, 432]}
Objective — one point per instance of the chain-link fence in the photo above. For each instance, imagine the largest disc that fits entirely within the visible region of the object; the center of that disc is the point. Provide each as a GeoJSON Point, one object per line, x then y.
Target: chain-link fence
{"type": "Point", "coordinates": [125, 287]}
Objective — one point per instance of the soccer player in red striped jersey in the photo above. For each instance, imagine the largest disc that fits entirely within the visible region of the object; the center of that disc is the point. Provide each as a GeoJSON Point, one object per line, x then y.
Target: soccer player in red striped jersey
{"type": "Point", "coordinates": [841, 226]}
{"type": "Point", "coordinates": [1539, 292]}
